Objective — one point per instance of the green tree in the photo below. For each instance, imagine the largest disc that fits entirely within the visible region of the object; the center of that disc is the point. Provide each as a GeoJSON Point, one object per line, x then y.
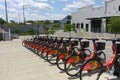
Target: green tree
{"type": "Point", "coordinates": [114, 25]}
{"type": "Point", "coordinates": [46, 22]}
{"type": "Point", "coordinates": [2, 21]}
{"type": "Point", "coordinates": [31, 31]}
{"type": "Point", "coordinates": [46, 25]}
{"type": "Point", "coordinates": [10, 24]}
{"type": "Point", "coordinates": [13, 21]}
{"type": "Point", "coordinates": [50, 31]}
{"type": "Point", "coordinates": [17, 31]}
{"type": "Point", "coordinates": [69, 28]}
{"type": "Point", "coordinates": [56, 25]}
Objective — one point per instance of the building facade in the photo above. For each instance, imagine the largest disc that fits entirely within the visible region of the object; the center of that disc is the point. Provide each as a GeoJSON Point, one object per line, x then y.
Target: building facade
{"type": "Point", "coordinates": [65, 20]}
{"type": "Point", "coordinates": [94, 19]}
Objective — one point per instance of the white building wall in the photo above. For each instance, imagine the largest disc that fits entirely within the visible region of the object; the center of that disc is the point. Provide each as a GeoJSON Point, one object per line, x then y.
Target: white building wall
{"type": "Point", "coordinates": [98, 12]}
{"type": "Point", "coordinates": [81, 15]}
{"type": "Point", "coordinates": [112, 8]}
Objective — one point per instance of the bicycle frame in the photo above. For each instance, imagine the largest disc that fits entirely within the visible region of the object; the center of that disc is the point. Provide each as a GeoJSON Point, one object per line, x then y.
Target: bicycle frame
{"type": "Point", "coordinates": [92, 55]}
{"type": "Point", "coordinates": [109, 64]}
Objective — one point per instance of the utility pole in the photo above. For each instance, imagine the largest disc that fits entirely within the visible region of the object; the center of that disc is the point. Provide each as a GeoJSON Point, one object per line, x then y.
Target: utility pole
{"type": "Point", "coordinates": [6, 11]}
{"type": "Point", "coordinates": [24, 14]}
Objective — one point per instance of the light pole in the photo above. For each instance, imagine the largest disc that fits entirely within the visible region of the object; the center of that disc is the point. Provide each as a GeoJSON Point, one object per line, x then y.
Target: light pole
{"type": "Point", "coordinates": [6, 11]}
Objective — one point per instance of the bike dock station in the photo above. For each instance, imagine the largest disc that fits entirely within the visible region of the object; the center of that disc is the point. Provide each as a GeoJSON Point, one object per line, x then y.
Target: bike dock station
{"type": "Point", "coordinates": [19, 63]}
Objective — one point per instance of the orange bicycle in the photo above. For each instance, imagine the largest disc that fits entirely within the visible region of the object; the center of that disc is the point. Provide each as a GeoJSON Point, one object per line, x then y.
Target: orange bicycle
{"type": "Point", "coordinates": [93, 68]}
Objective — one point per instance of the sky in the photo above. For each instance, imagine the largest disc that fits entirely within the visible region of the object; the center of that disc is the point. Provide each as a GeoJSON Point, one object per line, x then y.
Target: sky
{"type": "Point", "coordinates": [43, 9]}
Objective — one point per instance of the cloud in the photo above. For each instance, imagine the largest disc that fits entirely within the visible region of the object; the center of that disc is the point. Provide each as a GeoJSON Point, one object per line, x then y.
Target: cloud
{"type": "Point", "coordinates": [33, 10]}
{"type": "Point", "coordinates": [47, 16]}
{"type": "Point", "coordinates": [53, 1]}
{"type": "Point", "coordinates": [65, 0]}
{"type": "Point", "coordinates": [31, 6]}
{"type": "Point", "coordinates": [107, 0]}
{"type": "Point", "coordinates": [2, 7]}
{"type": "Point", "coordinates": [41, 6]}
{"type": "Point", "coordinates": [77, 4]}
{"type": "Point", "coordinates": [2, 16]}
{"type": "Point", "coordinates": [35, 16]}
{"type": "Point", "coordinates": [12, 10]}
{"type": "Point", "coordinates": [41, 0]}
{"type": "Point", "coordinates": [38, 5]}
{"type": "Point", "coordinates": [55, 16]}
{"type": "Point", "coordinates": [1, 1]}
{"type": "Point", "coordinates": [14, 17]}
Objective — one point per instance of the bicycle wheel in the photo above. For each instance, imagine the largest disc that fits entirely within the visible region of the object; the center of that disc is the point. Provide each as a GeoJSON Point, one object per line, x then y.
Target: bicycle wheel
{"type": "Point", "coordinates": [39, 53]}
{"type": "Point", "coordinates": [117, 67]}
{"type": "Point", "coordinates": [86, 52]}
{"type": "Point", "coordinates": [23, 43]}
{"type": "Point", "coordinates": [90, 70]}
{"type": "Point", "coordinates": [43, 55]}
{"type": "Point", "coordinates": [52, 56]}
{"type": "Point", "coordinates": [60, 61]}
{"type": "Point", "coordinates": [36, 51]}
{"type": "Point", "coordinates": [117, 62]}
{"type": "Point", "coordinates": [101, 56]}
{"type": "Point", "coordinates": [72, 65]}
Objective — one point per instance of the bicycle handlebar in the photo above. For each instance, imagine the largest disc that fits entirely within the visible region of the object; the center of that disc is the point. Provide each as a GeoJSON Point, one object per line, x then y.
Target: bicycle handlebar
{"type": "Point", "coordinates": [93, 39]}
{"type": "Point", "coordinates": [112, 39]}
{"type": "Point", "coordinates": [79, 39]}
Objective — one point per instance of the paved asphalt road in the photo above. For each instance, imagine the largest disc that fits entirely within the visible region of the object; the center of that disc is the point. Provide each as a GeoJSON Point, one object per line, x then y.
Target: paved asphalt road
{"type": "Point", "coordinates": [18, 63]}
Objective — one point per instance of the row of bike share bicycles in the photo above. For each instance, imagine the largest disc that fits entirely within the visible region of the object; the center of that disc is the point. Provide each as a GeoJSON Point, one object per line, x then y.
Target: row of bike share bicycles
{"type": "Point", "coordinates": [73, 56]}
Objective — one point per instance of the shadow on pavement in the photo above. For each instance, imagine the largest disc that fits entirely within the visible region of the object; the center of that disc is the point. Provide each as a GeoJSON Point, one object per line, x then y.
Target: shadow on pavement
{"type": "Point", "coordinates": [112, 78]}
{"type": "Point", "coordinates": [72, 78]}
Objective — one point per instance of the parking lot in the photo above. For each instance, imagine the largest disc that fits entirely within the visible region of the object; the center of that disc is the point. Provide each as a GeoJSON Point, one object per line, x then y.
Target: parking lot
{"type": "Point", "coordinates": [18, 63]}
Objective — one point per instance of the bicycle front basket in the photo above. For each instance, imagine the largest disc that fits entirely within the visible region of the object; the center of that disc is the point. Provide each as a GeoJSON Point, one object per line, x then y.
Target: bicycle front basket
{"type": "Point", "coordinates": [85, 44]}
{"type": "Point", "coordinates": [100, 45]}
{"type": "Point", "coordinates": [75, 43]}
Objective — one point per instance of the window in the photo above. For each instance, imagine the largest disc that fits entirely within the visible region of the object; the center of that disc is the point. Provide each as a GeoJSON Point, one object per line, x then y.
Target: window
{"type": "Point", "coordinates": [87, 25]}
{"type": "Point", "coordinates": [82, 25]}
{"type": "Point", "coordinates": [119, 8]}
{"type": "Point", "coordinates": [68, 17]}
{"type": "Point", "coordinates": [78, 25]}
{"type": "Point", "coordinates": [68, 22]}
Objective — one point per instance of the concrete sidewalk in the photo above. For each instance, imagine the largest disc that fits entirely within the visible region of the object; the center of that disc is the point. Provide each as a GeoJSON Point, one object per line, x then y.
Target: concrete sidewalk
{"type": "Point", "coordinates": [18, 63]}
